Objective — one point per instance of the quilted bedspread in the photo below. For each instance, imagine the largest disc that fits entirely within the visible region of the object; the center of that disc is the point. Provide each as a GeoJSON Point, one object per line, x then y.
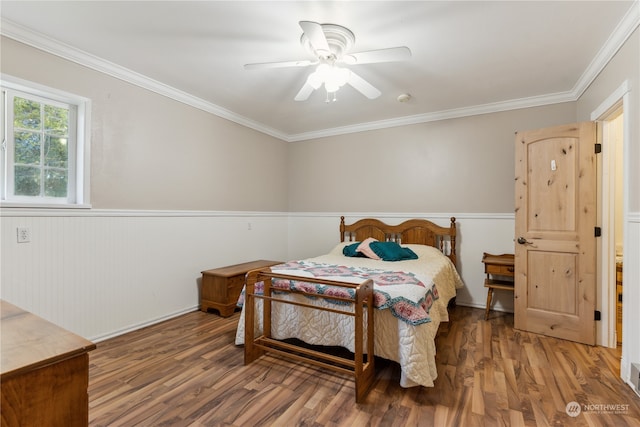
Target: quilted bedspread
{"type": "Point", "coordinates": [405, 334]}
{"type": "Point", "coordinates": [406, 295]}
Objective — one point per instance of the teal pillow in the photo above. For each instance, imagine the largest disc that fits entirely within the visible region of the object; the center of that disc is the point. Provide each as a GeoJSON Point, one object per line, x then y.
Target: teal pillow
{"type": "Point", "coordinates": [350, 250]}
{"type": "Point", "coordinates": [391, 251]}
{"type": "Point", "coordinates": [387, 251]}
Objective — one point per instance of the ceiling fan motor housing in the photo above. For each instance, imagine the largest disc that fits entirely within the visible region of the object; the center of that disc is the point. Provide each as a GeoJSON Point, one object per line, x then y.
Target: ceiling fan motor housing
{"type": "Point", "coordinates": [339, 39]}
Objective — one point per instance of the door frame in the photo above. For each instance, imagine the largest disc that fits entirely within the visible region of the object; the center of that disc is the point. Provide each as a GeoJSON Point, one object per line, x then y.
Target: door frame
{"type": "Point", "coordinates": [606, 303]}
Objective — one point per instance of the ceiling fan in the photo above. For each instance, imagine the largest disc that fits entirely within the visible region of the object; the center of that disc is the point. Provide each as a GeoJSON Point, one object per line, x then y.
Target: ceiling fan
{"type": "Point", "coordinates": [331, 45]}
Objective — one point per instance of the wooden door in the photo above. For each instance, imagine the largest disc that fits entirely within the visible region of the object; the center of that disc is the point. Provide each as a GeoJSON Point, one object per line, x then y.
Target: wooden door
{"type": "Point", "coordinates": [555, 216]}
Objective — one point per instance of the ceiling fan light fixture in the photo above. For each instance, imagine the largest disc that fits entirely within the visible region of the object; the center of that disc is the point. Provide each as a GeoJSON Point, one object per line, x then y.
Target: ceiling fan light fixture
{"type": "Point", "coordinates": [335, 79]}
{"type": "Point", "coordinates": [323, 71]}
{"type": "Point", "coordinates": [331, 87]}
{"type": "Point", "coordinates": [331, 76]}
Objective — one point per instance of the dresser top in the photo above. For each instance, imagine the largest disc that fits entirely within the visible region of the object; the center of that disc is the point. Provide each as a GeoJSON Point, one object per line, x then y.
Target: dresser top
{"type": "Point", "coordinates": [504, 259]}
{"type": "Point", "coordinates": [28, 342]}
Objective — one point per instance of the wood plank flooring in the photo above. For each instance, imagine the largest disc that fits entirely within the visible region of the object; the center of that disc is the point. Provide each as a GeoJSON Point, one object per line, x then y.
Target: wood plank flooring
{"type": "Point", "coordinates": [187, 372]}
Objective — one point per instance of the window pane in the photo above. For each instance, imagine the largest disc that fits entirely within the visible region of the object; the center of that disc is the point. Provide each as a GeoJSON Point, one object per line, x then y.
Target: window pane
{"type": "Point", "coordinates": [38, 160]}
{"type": "Point", "coordinates": [55, 183]}
{"type": "Point", "coordinates": [27, 148]}
{"type": "Point", "coordinates": [56, 120]}
{"type": "Point", "coordinates": [55, 152]}
{"type": "Point", "coordinates": [26, 114]}
{"type": "Point", "coordinates": [27, 181]}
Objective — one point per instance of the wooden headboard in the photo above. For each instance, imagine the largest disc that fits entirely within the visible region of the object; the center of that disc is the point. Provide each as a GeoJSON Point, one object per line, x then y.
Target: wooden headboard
{"type": "Point", "coordinates": [412, 231]}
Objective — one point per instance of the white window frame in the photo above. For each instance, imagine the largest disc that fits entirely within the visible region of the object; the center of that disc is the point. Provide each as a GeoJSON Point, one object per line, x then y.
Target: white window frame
{"type": "Point", "coordinates": [79, 145]}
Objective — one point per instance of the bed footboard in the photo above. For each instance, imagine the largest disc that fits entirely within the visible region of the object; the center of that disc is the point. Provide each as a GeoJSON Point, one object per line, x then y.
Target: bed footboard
{"type": "Point", "coordinates": [361, 366]}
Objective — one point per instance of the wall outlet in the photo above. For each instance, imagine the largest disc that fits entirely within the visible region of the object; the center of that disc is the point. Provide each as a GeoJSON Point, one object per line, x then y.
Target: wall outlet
{"type": "Point", "coordinates": [24, 235]}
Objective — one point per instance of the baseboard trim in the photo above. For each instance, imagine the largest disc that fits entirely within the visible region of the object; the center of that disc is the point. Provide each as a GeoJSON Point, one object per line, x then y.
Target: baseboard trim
{"type": "Point", "coordinates": [141, 325]}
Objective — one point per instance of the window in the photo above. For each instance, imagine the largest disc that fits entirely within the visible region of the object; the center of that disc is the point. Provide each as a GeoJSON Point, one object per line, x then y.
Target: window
{"type": "Point", "coordinates": [44, 147]}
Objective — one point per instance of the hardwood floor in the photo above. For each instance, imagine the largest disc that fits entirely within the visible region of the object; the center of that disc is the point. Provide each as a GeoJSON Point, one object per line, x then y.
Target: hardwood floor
{"type": "Point", "coordinates": [187, 372]}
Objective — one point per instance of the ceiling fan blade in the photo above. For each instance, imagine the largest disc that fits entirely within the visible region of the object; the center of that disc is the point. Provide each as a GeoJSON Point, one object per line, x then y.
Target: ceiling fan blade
{"type": "Point", "coordinates": [316, 37]}
{"type": "Point", "coordinates": [391, 54]}
{"type": "Point", "coordinates": [363, 86]}
{"type": "Point", "coordinates": [263, 65]}
{"type": "Point", "coordinates": [304, 93]}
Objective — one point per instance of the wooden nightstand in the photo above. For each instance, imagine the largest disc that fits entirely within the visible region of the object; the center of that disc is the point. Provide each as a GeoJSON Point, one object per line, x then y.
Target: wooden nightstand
{"type": "Point", "coordinates": [221, 287]}
{"type": "Point", "coordinates": [499, 270]}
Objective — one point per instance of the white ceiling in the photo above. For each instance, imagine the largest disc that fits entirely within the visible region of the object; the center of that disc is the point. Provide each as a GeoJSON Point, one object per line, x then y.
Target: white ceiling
{"type": "Point", "coordinates": [468, 57]}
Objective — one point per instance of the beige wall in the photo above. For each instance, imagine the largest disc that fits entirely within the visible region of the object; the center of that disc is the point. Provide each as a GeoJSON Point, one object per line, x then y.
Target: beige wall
{"type": "Point", "coordinates": [625, 66]}
{"type": "Point", "coordinates": [455, 166]}
{"type": "Point", "coordinates": [152, 153]}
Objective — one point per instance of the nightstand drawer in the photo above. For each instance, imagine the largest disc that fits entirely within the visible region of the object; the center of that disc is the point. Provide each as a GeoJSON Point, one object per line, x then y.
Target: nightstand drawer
{"type": "Point", "coordinates": [500, 270]}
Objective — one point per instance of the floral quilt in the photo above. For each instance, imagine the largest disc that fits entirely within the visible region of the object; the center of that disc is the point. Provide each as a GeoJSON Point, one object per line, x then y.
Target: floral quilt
{"type": "Point", "coordinates": [408, 297]}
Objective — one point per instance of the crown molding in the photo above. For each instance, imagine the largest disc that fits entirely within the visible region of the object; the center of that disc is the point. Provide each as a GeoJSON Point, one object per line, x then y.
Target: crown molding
{"type": "Point", "coordinates": [622, 32]}
{"type": "Point", "coordinates": [32, 38]}
{"type": "Point", "coordinates": [615, 41]}
{"type": "Point", "coordinates": [515, 104]}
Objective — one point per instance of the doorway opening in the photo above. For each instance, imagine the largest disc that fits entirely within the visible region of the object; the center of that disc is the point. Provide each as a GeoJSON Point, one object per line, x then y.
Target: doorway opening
{"type": "Point", "coordinates": [612, 220]}
{"type": "Point", "coordinates": [613, 191]}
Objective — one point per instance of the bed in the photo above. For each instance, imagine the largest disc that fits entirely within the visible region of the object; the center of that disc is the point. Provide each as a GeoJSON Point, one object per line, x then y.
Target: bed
{"type": "Point", "coordinates": [391, 309]}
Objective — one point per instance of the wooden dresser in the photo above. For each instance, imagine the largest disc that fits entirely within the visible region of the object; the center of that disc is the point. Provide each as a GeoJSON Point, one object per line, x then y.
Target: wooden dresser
{"type": "Point", "coordinates": [44, 372]}
{"type": "Point", "coordinates": [221, 287]}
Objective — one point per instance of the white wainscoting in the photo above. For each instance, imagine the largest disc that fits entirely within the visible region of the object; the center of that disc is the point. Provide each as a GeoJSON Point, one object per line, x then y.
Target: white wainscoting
{"type": "Point", "coordinates": [102, 273]}
{"type": "Point", "coordinates": [631, 297]}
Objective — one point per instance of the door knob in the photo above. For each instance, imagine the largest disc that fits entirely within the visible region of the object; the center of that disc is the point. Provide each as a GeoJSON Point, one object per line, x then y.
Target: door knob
{"type": "Point", "coordinates": [522, 240]}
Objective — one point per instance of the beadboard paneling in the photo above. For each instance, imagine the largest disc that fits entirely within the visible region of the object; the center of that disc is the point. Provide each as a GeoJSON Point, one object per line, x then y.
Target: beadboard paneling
{"type": "Point", "coordinates": [99, 274]}
{"type": "Point", "coordinates": [631, 298]}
